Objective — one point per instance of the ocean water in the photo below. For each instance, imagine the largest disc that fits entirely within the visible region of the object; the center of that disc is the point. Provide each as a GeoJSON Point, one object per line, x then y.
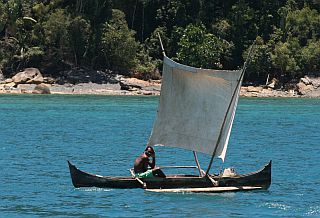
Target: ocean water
{"type": "Point", "coordinates": [104, 134]}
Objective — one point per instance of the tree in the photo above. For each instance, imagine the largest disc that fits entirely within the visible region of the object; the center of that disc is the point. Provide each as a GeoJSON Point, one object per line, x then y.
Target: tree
{"type": "Point", "coordinates": [303, 24]}
{"type": "Point", "coordinates": [3, 17]}
{"type": "Point", "coordinates": [79, 31]}
{"type": "Point", "coordinates": [57, 37]}
{"type": "Point", "coordinates": [310, 57]}
{"type": "Point", "coordinates": [260, 64]}
{"type": "Point", "coordinates": [201, 49]}
{"type": "Point", "coordinates": [153, 45]}
{"type": "Point", "coordinates": [243, 29]}
{"type": "Point", "coordinates": [284, 58]}
{"type": "Point", "coordinates": [118, 43]}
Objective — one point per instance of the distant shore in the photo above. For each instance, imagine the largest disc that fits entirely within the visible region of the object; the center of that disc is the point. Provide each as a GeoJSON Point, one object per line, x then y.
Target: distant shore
{"type": "Point", "coordinates": [132, 86]}
{"type": "Point", "coordinates": [127, 86]}
{"type": "Point", "coordinates": [153, 88]}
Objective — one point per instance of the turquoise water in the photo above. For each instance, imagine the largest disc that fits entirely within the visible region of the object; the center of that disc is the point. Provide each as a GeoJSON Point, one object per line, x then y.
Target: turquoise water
{"type": "Point", "coordinates": [103, 134]}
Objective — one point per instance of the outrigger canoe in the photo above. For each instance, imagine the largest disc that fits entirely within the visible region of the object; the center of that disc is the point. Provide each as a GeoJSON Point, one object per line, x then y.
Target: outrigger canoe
{"type": "Point", "coordinates": [257, 180]}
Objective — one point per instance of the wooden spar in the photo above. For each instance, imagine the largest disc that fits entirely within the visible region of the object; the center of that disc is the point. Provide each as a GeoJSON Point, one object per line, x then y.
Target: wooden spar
{"type": "Point", "coordinates": [210, 189]}
{"type": "Point", "coordinates": [164, 167]}
{"type": "Point", "coordinates": [163, 52]}
{"type": "Point", "coordinates": [225, 117]}
{"type": "Point", "coordinates": [144, 185]}
{"type": "Point", "coordinates": [197, 162]}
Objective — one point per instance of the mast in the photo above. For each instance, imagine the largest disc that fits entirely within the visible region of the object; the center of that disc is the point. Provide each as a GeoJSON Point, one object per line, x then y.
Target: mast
{"type": "Point", "coordinates": [237, 89]}
{"type": "Point", "coordinates": [163, 52]}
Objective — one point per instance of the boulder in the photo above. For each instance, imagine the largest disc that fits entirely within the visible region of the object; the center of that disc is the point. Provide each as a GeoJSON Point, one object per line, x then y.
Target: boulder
{"type": "Point", "coordinates": [130, 84]}
{"type": "Point", "coordinates": [8, 80]}
{"type": "Point", "coordinates": [305, 80]}
{"type": "Point", "coordinates": [315, 82]}
{"type": "Point", "coordinates": [302, 88]}
{"type": "Point", "coordinates": [41, 89]}
{"type": "Point", "coordinates": [29, 75]}
{"type": "Point", "coordinates": [274, 84]}
{"type": "Point", "coordinates": [254, 89]}
{"type": "Point", "coordinates": [134, 84]}
{"type": "Point", "coordinates": [49, 80]}
{"type": "Point", "coordinates": [9, 86]}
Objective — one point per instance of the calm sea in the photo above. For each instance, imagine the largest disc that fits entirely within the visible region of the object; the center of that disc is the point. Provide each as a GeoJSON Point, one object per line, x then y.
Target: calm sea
{"type": "Point", "coordinates": [104, 134]}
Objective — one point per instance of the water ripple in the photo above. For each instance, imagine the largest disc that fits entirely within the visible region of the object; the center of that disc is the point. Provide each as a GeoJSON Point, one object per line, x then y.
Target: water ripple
{"type": "Point", "coordinates": [40, 133]}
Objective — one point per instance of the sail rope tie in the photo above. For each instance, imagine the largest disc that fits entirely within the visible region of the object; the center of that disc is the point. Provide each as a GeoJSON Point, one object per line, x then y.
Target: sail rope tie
{"type": "Point", "coordinates": [214, 182]}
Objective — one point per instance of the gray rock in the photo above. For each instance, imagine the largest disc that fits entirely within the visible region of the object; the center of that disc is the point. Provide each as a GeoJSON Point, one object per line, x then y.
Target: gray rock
{"type": "Point", "coordinates": [9, 86]}
{"type": "Point", "coordinates": [8, 80]}
{"type": "Point", "coordinates": [129, 86]}
{"type": "Point", "coordinates": [303, 89]}
{"type": "Point", "coordinates": [49, 80]}
{"type": "Point", "coordinates": [41, 89]}
{"type": "Point", "coordinates": [315, 82]}
{"type": "Point", "coordinates": [305, 80]}
{"type": "Point", "coordinates": [274, 84]}
{"type": "Point", "coordinates": [29, 75]}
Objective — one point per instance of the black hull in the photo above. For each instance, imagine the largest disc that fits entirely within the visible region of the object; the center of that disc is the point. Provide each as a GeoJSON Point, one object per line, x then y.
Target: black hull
{"type": "Point", "coordinates": [261, 178]}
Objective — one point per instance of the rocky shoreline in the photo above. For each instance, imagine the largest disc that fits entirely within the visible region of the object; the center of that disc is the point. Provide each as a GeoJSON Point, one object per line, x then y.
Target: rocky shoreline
{"type": "Point", "coordinates": [31, 81]}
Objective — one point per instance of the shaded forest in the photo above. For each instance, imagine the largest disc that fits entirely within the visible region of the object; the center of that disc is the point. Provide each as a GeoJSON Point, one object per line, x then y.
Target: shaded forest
{"type": "Point", "coordinates": [121, 36]}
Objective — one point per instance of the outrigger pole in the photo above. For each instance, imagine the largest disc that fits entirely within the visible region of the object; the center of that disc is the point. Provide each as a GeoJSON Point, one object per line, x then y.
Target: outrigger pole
{"type": "Point", "coordinates": [198, 164]}
{"type": "Point", "coordinates": [225, 117]}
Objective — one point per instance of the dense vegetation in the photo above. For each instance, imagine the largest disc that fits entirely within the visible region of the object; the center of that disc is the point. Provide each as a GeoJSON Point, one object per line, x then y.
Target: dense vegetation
{"type": "Point", "coordinates": [121, 35]}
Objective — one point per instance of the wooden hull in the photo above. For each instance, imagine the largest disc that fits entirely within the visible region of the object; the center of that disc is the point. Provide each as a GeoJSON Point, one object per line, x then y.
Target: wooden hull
{"type": "Point", "coordinates": [261, 179]}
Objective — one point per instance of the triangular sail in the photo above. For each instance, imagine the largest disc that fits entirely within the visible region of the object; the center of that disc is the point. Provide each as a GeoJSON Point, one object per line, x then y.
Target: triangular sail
{"type": "Point", "coordinates": [192, 108]}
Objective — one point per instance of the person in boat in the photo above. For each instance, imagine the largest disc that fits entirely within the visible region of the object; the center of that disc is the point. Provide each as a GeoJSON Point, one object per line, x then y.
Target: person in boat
{"type": "Point", "coordinates": [142, 164]}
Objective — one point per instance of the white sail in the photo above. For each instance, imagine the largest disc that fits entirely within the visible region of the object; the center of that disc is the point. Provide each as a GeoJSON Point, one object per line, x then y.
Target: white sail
{"type": "Point", "coordinates": [193, 105]}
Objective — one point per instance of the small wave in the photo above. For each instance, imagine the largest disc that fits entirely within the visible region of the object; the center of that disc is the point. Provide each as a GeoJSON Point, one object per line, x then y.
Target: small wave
{"type": "Point", "coordinates": [315, 210]}
{"type": "Point", "coordinates": [226, 194]}
{"type": "Point", "coordinates": [278, 206]}
{"type": "Point", "coordinates": [94, 189]}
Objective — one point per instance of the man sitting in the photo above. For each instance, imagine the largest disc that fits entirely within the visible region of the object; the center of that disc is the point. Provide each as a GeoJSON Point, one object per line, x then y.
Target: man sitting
{"type": "Point", "coordinates": [142, 163]}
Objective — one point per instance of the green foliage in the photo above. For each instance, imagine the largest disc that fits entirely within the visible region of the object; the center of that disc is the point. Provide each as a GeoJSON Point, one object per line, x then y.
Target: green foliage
{"type": "Point", "coordinates": [57, 35]}
{"type": "Point", "coordinates": [201, 49]}
{"type": "Point", "coordinates": [310, 57]}
{"type": "Point", "coordinates": [153, 45]}
{"type": "Point", "coordinates": [3, 16]}
{"type": "Point", "coordinates": [222, 29]}
{"type": "Point", "coordinates": [284, 58]}
{"type": "Point", "coordinates": [243, 28]}
{"type": "Point", "coordinates": [40, 10]}
{"type": "Point", "coordinates": [34, 55]}
{"type": "Point", "coordinates": [80, 32]}
{"type": "Point", "coordinates": [9, 47]}
{"type": "Point", "coordinates": [145, 68]}
{"type": "Point", "coordinates": [260, 63]}
{"type": "Point", "coordinates": [56, 28]}
{"type": "Point", "coordinates": [303, 24]}
{"type": "Point", "coordinates": [203, 33]}
{"type": "Point", "coordinates": [118, 43]}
